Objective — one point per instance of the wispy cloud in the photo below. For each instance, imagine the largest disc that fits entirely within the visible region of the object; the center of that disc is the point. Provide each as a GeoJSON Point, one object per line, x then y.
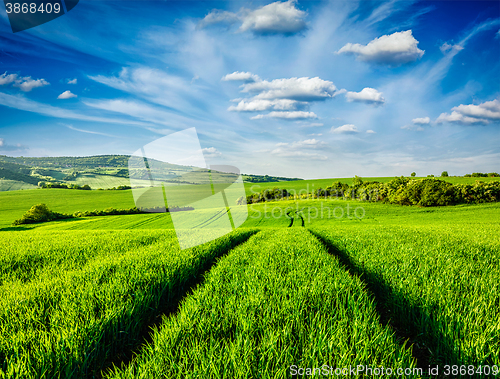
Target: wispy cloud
{"type": "Point", "coordinates": [90, 131]}
{"type": "Point", "coordinates": [21, 103]}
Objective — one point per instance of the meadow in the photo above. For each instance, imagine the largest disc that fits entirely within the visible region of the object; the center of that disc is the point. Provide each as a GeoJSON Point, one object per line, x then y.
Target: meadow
{"type": "Point", "coordinates": [302, 284]}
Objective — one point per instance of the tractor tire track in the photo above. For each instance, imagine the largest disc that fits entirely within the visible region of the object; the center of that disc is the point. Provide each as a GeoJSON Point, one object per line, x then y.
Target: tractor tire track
{"type": "Point", "coordinates": [170, 305]}
{"type": "Point", "coordinates": [405, 333]}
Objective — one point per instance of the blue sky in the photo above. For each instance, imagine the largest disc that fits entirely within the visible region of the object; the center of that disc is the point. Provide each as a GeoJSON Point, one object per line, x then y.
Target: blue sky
{"type": "Point", "coordinates": [310, 89]}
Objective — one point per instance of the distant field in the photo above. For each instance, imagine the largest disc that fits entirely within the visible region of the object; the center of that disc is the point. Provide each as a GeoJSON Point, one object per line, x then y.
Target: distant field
{"type": "Point", "coordinates": [15, 203]}
{"type": "Point", "coordinates": [96, 181]}
{"type": "Point", "coordinates": [14, 185]}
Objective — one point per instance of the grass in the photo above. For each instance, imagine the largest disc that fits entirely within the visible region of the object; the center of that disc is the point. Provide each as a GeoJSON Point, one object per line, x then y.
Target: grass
{"type": "Point", "coordinates": [276, 301]}
{"type": "Point", "coordinates": [346, 282]}
{"type": "Point", "coordinates": [67, 316]}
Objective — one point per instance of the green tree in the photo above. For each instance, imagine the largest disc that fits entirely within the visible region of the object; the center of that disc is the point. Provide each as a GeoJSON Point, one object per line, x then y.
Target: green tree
{"type": "Point", "coordinates": [413, 174]}
{"type": "Point", "coordinates": [444, 174]}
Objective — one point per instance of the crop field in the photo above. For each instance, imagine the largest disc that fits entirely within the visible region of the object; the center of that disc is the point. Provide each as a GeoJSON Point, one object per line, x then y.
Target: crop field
{"type": "Point", "coordinates": [301, 284]}
{"type": "Point", "coordinates": [14, 185]}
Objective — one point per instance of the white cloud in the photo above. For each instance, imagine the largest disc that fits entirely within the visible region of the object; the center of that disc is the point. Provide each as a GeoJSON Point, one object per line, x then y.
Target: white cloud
{"type": "Point", "coordinates": [219, 17]}
{"type": "Point", "coordinates": [293, 115]}
{"type": "Point", "coordinates": [7, 79]}
{"type": "Point", "coordinates": [347, 129]}
{"type": "Point", "coordinates": [277, 17]}
{"type": "Point", "coordinates": [497, 35]}
{"type": "Point", "coordinates": [367, 95]}
{"type": "Point", "coordinates": [258, 105]}
{"type": "Point", "coordinates": [26, 84]}
{"type": "Point", "coordinates": [66, 95]}
{"type": "Point", "coordinates": [421, 120]}
{"type": "Point", "coordinates": [291, 96]}
{"type": "Point", "coordinates": [369, 131]}
{"type": "Point", "coordinates": [245, 76]}
{"type": "Point", "coordinates": [489, 110]}
{"type": "Point", "coordinates": [473, 114]}
{"type": "Point", "coordinates": [301, 89]}
{"type": "Point", "coordinates": [211, 152]}
{"type": "Point", "coordinates": [1, 142]}
{"type": "Point", "coordinates": [394, 49]}
{"type": "Point", "coordinates": [459, 118]}
{"type": "Point", "coordinates": [445, 47]}
{"type": "Point", "coordinates": [72, 81]}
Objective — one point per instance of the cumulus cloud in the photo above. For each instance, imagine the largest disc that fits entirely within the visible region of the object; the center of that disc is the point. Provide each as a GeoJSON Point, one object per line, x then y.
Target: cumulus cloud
{"type": "Point", "coordinates": [301, 89]}
{"type": "Point", "coordinates": [367, 95]}
{"type": "Point", "coordinates": [66, 95]}
{"type": "Point", "coordinates": [458, 118]}
{"type": "Point", "coordinates": [394, 49]}
{"type": "Point", "coordinates": [26, 84]}
{"type": "Point", "coordinates": [244, 76]}
{"type": "Point", "coordinates": [287, 98]}
{"type": "Point", "coordinates": [489, 110]}
{"type": "Point", "coordinates": [483, 113]}
{"type": "Point", "coordinates": [421, 120]}
{"type": "Point", "coordinates": [278, 17]}
{"type": "Point", "coordinates": [445, 47]}
{"type": "Point", "coordinates": [275, 18]}
{"type": "Point", "coordinates": [211, 152]}
{"type": "Point", "coordinates": [7, 79]}
{"type": "Point", "coordinates": [258, 105]}
{"type": "Point", "coordinates": [345, 129]}
{"type": "Point", "coordinates": [293, 115]}
{"type": "Point", "coordinates": [72, 81]}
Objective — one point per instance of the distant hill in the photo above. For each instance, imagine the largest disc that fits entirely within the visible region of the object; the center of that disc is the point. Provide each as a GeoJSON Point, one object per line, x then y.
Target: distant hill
{"type": "Point", "coordinates": [99, 171]}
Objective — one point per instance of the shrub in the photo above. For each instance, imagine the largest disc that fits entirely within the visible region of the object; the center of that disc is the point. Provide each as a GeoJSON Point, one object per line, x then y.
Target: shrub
{"type": "Point", "coordinates": [39, 213]}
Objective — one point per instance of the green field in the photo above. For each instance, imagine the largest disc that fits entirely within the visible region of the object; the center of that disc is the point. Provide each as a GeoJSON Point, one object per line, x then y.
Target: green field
{"type": "Point", "coordinates": [301, 284]}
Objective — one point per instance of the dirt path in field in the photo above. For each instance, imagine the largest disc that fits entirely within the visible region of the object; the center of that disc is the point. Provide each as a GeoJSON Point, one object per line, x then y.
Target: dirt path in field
{"type": "Point", "coordinates": [406, 333]}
